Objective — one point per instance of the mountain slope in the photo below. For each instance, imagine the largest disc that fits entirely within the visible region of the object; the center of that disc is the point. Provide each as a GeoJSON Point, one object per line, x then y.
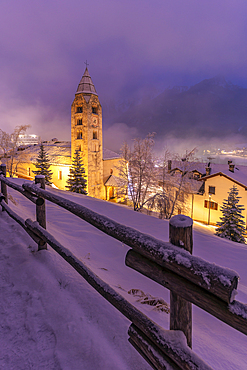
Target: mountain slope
{"type": "Point", "coordinates": [211, 108]}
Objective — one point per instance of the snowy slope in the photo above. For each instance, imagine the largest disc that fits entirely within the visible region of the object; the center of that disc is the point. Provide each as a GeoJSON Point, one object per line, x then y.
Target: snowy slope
{"type": "Point", "coordinates": [52, 319]}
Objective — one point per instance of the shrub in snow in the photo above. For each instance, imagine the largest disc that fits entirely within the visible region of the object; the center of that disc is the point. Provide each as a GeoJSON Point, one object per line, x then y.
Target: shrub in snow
{"type": "Point", "coordinates": [77, 178]}
{"type": "Point", "coordinates": [43, 165]}
{"type": "Point", "coordinates": [232, 226]}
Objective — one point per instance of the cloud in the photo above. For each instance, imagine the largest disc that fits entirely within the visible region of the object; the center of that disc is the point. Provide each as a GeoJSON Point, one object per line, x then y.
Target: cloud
{"type": "Point", "coordinates": [132, 47]}
{"type": "Point", "coordinates": [117, 134]}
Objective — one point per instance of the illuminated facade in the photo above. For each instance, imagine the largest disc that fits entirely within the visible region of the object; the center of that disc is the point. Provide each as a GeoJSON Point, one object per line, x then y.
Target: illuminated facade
{"type": "Point", "coordinates": [86, 134]}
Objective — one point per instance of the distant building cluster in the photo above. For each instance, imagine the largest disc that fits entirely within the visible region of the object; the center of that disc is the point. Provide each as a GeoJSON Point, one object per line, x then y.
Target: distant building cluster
{"type": "Point", "coordinates": [24, 140]}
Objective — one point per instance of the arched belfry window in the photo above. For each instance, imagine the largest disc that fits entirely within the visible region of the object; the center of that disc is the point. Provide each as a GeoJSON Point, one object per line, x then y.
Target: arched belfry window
{"type": "Point", "coordinates": [79, 135]}
{"type": "Point", "coordinates": [79, 121]}
{"type": "Point", "coordinates": [95, 136]}
{"type": "Point", "coordinates": [94, 110]}
{"type": "Point", "coordinates": [78, 109]}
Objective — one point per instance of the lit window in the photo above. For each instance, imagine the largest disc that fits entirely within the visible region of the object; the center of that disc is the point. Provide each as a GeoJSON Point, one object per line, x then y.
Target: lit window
{"type": "Point", "coordinates": [210, 204]}
{"type": "Point", "coordinates": [59, 175]}
{"type": "Point", "coordinates": [211, 189]}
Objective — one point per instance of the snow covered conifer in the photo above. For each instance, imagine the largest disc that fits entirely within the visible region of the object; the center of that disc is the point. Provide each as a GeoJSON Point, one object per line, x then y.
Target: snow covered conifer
{"type": "Point", "coordinates": [232, 226]}
{"type": "Point", "coordinates": [77, 178]}
{"type": "Point", "coordinates": [43, 165]}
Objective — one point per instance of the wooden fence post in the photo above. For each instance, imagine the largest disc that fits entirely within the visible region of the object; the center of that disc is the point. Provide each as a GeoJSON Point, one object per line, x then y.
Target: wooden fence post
{"type": "Point", "coordinates": [40, 210]}
{"type": "Point", "coordinates": [3, 185]}
{"type": "Point", "coordinates": [180, 234]}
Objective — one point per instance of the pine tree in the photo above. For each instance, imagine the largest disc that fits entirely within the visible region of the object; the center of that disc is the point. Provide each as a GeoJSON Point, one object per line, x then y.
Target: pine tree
{"type": "Point", "coordinates": [43, 165]}
{"type": "Point", "coordinates": [77, 178]}
{"type": "Point", "coordinates": [232, 226]}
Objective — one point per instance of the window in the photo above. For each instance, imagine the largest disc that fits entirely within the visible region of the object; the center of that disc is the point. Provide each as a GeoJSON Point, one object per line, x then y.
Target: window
{"type": "Point", "coordinates": [213, 205]}
{"type": "Point", "coordinates": [29, 171]}
{"type": "Point", "coordinates": [95, 135]}
{"type": "Point", "coordinates": [211, 189]}
{"type": "Point", "coordinates": [79, 135]}
{"type": "Point", "coordinates": [79, 122]}
{"type": "Point", "coordinates": [94, 110]}
{"type": "Point", "coordinates": [78, 109]}
{"type": "Point", "coordinates": [196, 175]}
{"type": "Point", "coordinates": [59, 175]}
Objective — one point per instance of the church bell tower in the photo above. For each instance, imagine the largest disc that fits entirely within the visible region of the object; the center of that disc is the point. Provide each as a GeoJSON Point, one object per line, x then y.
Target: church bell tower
{"type": "Point", "coordinates": [86, 133]}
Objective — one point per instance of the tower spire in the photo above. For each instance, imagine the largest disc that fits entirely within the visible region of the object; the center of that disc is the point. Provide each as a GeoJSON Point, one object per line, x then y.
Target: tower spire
{"type": "Point", "coordinates": [86, 85]}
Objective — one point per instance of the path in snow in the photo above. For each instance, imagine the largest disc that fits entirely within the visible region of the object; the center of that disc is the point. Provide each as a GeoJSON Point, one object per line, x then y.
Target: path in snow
{"type": "Point", "coordinates": [50, 318]}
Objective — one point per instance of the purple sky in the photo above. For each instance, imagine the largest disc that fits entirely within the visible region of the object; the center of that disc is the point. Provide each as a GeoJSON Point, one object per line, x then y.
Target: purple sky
{"type": "Point", "coordinates": [133, 47]}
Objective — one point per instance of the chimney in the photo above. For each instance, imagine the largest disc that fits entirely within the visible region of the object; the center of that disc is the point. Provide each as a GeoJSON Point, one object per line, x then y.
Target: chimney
{"type": "Point", "coordinates": [169, 166]}
{"type": "Point", "coordinates": [231, 167]}
{"type": "Point", "coordinates": [229, 162]}
{"type": "Point", "coordinates": [208, 171]}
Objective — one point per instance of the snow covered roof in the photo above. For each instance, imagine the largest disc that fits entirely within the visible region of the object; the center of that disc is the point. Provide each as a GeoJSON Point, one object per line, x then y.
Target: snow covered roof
{"type": "Point", "coordinates": [239, 176]}
{"type": "Point", "coordinates": [109, 154]}
{"type": "Point", "coordinates": [114, 181]}
{"type": "Point", "coordinates": [58, 152]}
{"type": "Point", "coordinates": [189, 166]}
{"type": "Point", "coordinates": [86, 84]}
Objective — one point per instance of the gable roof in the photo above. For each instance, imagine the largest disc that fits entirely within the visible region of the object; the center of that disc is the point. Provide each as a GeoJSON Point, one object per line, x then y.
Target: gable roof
{"type": "Point", "coordinates": [114, 181]}
{"type": "Point", "coordinates": [237, 178]}
{"type": "Point", "coordinates": [109, 154]}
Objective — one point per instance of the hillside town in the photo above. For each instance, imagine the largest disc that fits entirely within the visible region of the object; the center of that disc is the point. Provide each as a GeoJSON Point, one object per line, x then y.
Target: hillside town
{"type": "Point", "coordinates": [123, 185]}
{"type": "Point", "coordinates": [194, 188]}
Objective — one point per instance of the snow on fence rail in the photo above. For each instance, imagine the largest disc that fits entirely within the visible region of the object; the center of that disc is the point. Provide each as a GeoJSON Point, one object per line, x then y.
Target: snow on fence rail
{"type": "Point", "coordinates": [190, 279]}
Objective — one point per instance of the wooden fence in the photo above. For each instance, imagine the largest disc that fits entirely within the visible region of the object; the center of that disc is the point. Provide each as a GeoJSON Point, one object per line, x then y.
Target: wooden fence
{"type": "Point", "coordinates": [190, 279]}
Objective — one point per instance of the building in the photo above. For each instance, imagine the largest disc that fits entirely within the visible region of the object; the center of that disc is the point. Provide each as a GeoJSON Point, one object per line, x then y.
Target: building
{"type": "Point", "coordinates": [86, 135]}
{"type": "Point", "coordinates": [216, 183]}
{"type": "Point", "coordinates": [24, 139]}
{"type": "Point", "coordinates": [211, 184]}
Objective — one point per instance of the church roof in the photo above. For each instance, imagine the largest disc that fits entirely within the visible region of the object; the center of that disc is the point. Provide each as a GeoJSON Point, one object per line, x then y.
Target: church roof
{"type": "Point", "coordinates": [109, 154]}
{"type": "Point", "coordinates": [114, 181]}
{"type": "Point", "coordinates": [86, 84]}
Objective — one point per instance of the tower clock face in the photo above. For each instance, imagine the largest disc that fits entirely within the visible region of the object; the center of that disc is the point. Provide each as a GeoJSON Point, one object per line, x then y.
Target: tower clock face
{"type": "Point", "coordinates": [95, 121]}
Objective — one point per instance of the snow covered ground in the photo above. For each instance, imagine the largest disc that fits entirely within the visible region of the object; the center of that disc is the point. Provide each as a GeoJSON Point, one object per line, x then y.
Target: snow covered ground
{"type": "Point", "coordinates": [52, 319]}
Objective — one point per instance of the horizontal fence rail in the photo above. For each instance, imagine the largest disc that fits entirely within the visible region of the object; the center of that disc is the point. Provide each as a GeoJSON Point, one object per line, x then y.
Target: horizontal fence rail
{"type": "Point", "coordinates": [190, 279]}
{"type": "Point", "coordinates": [215, 279]}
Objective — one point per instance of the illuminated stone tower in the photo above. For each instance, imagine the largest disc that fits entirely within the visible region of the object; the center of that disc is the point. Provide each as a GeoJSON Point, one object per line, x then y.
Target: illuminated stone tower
{"type": "Point", "coordinates": [86, 133]}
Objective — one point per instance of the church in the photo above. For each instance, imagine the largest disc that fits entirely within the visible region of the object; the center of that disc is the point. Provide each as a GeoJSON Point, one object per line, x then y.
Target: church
{"type": "Point", "coordinates": [86, 135]}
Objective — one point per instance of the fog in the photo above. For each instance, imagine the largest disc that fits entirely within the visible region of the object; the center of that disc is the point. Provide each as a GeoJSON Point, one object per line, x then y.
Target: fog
{"type": "Point", "coordinates": [134, 49]}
